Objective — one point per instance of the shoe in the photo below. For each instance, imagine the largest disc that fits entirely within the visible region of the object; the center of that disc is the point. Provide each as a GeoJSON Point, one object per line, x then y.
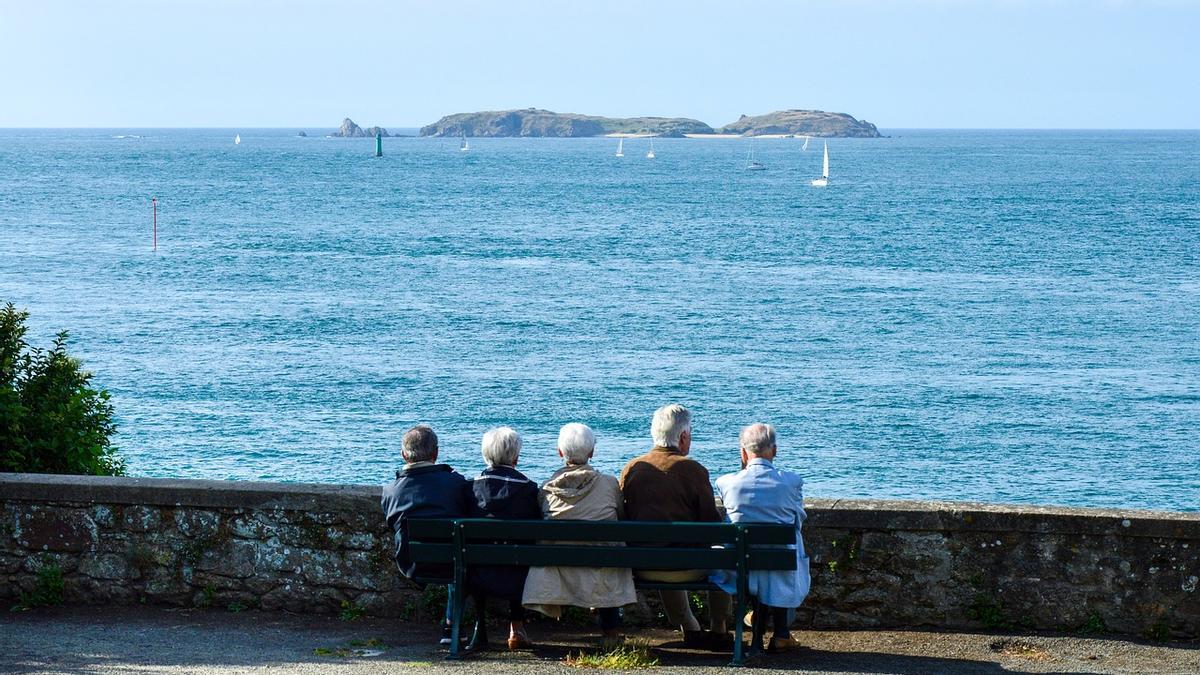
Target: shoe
{"type": "Point", "coordinates": [708, 640]}
{"type": "Point", "coordinates": [780, 644]}
{"type": "Point", "coordinates": [518, 642]}
{"type": "Point", "coordinates": [447, 636]}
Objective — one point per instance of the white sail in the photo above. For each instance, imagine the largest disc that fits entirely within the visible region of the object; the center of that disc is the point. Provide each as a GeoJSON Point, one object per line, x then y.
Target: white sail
{"type": "Point", "coordinates": [651, 155]}
{"type": "Point", "coordinates": [621, 148]}
{"type": "Point", "coordinates": [237, 139]}
{"type": "Point", "coordinates": [805, 143]}
{"type": "Point", "coordinates": [464, 146]}
{"type": "Point", "coordinates": [824, 179]}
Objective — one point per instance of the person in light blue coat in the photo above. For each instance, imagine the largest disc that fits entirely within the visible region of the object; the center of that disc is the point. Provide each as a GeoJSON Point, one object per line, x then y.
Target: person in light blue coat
{"type": "Point", "coordinates": [761, 493]}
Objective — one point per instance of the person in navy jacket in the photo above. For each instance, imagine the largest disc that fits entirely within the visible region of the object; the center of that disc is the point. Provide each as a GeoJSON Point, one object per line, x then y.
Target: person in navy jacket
{"type": "Point", "coordinates": [500, 491]}
{"type": "Point", "coordinates": [423, 489]}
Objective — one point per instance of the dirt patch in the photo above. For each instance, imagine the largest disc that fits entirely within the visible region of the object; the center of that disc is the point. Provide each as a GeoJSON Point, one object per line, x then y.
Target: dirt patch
{"type": "Point", "coordinates": [1020, 648]}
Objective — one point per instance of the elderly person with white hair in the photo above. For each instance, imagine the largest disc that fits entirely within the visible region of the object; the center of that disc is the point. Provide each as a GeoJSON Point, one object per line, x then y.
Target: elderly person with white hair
{"type": "Point", "coordinates": [761, 493]}
{"type": "Point", "coordinates": [666, 485]}
{"type": "Point", "coordinates": [579, 492]}
{"type": "Point", "coordinates": [500, 491]}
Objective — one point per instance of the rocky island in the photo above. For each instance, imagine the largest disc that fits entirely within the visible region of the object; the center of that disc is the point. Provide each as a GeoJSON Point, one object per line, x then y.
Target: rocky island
{"type": "Point", "coordinates": [351, 130]}
{"type": "Point", "coordinates": [536, 122]}
{"type": "Point", "coordinates": [802, 123]}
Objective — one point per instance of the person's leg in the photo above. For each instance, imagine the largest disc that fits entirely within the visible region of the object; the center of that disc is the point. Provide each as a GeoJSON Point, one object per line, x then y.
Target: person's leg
{"type": "Point", "coordinates": [759, 626]}
{"type": "Point", "coordinates": [517, 639]}
{"type": "Point", "coordinates": [779, 617]}
{"type": "Point", "coordinates": [720, 606]}
{"type": "Point", "coordinates": [446, 634]}
{"type": "Point", "coordinates": [679, 610]}
{"type": "Point", "coordinates": [479, 638]}
{"type": "Point", "coordinates": [610, 625]}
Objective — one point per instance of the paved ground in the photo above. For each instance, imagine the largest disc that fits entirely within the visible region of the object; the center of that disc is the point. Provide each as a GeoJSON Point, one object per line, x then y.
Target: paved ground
{"type": "Point", "coordinates": [144, 640]}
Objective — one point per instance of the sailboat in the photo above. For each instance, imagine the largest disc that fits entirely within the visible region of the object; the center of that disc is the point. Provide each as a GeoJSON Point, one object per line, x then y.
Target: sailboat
{"type": "Point", "coordinates": [237, 139]}
{"type": "Point", "coordinates": [753, 164]}
{"type": "Point", "coordinates": [824, 179]}
{"type": "Point", "coordinates": [621, 148]}
{"type": "Point", "coordinates": [464, 146]}
{"type": "Point", "coordinates": [651, 155]}
{"type": "Point", "coordinates": [806, 139]}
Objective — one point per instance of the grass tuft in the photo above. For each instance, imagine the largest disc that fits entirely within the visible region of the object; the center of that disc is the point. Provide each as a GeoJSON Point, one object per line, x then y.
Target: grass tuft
{"type": "Point", "coordinates": [633, 655]}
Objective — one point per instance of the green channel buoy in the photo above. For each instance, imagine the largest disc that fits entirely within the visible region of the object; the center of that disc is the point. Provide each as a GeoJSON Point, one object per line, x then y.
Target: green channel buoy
{"type": "Point", "coordinates": [379, 144]}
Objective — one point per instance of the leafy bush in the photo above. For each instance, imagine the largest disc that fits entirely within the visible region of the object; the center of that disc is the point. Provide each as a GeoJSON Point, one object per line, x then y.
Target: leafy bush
{"type": "Point", "coordinates": [51, 419]}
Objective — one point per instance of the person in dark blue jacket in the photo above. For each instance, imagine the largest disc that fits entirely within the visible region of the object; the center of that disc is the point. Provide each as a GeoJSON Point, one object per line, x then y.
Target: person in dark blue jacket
{"type": "Point", "coordinates": [502, 492]}
{"type": "Point", "coordinates": [423, 489]}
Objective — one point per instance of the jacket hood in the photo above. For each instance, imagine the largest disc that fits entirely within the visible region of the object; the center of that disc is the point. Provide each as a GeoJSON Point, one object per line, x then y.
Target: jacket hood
{"type": "Point", "coordinates": [572, 484]}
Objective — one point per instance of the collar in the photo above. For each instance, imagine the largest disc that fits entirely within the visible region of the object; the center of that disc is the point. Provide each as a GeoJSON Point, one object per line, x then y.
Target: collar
{"type": "Point", "coordinates": [761, 461]}
{"type": "Point", "coordinates": [669, 451]}
{"type": "Point", "coordinates": [421, 467]}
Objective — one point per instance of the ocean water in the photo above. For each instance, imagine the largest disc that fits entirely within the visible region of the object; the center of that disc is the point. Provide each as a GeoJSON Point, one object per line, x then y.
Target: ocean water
{"type": "Point", "coordinates": [972, 315]}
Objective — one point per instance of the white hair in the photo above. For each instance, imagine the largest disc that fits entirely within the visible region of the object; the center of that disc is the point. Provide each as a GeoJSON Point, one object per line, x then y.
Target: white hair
{"type": "Point", "coordinates": [576, 442]}
{"type": "Point", "coordinates": [501, 446]}
{"type": "Point", "coordinates": [668, 425]}
{"type": "Point", "coordinates": [757, 438]}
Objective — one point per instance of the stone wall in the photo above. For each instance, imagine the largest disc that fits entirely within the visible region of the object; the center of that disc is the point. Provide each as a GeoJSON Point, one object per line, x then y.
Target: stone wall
{"type": "Point", "coordinates": [324, 548]}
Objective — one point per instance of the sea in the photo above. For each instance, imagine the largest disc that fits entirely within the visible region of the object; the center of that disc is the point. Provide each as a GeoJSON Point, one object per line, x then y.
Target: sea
{"type": "Point", "coordinates": [991, 316]}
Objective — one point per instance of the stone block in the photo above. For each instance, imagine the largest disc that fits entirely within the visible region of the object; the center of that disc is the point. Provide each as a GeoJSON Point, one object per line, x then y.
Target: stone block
{"type": "Point", "coordinates": [195, 523]}
{"type": "Point", "coordinates": [233, 558]}
{"type": "Point", "coordinates": [106, 566]}
{"type": "Point", "coordinates": [43, 528]}
{"type": "Point", "coordinates": [141, 518]}
{"type": "Point", "coordinates": [275, 555]}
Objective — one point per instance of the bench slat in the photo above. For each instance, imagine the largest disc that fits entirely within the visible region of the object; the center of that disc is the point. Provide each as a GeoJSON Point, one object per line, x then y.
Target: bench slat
{"type": "Point", "coordinates": [626, 531]}
{"type": "Point", "coordinates": [591, 556]}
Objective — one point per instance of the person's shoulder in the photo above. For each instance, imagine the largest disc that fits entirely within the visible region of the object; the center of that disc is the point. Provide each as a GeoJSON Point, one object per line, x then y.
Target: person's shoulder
{"type": "Point", "coordinates": [640, 459]}
{"type": "Point", "coordinates": [691, 465]}
{"type": "Point", "coordinates": [729, 479]}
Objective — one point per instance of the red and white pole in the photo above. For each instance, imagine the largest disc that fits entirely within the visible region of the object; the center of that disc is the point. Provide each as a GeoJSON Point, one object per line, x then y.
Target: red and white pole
{"type": "Point", "coordinates": [154, 203]}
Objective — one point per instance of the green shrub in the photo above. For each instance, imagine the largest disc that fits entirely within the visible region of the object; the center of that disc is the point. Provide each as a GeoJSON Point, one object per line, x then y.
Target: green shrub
{"type": "Point", "coordinates": [51, 419]}
{"type": "Point", "coordinates": [47, 590]}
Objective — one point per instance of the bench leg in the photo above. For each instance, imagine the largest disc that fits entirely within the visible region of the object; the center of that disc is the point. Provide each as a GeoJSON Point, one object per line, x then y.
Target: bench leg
{"type": "Point", "coordinates": [739, 612]}
{"type": "Point", "coordinates": [456, 612]}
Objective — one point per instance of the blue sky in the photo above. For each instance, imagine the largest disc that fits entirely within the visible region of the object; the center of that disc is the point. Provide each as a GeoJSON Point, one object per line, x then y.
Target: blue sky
{"type": "Point", "coordinates": [919, 63]}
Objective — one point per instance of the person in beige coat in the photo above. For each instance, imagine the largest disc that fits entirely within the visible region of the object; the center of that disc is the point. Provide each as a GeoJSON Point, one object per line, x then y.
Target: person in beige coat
{"type": "Point", "coordinates": [579, 492]}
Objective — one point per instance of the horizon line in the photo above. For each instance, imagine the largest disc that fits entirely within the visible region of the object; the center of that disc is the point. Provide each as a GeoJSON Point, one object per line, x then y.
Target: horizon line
{"type": "Point", "coordinates": [334, 128]}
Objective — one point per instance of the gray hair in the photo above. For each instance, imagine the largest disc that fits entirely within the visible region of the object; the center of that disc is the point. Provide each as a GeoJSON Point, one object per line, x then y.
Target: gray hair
{"type": "Point", "coordinates": [419, 444]}
{"type": "Point", "coordinates": [757, 438]}
{"type": "Point", "coordinates": [576, 442]}
{"type": "Point", "coordinates": [668, 425]}
{"type": "Point", "coordinates": [501, 446]}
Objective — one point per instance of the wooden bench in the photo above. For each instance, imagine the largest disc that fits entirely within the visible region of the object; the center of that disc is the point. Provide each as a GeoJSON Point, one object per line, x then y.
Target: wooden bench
{"type": "Point", "coordinates": [461, 543]}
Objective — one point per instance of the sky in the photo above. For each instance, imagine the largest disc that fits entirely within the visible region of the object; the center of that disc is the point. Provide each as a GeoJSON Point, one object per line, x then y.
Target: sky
{"type": "Point", "coordinates": [303, 63]}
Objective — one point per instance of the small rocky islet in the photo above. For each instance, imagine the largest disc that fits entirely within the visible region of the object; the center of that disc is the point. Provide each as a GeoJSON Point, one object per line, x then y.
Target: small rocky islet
{"type": "Point", "coordinates": [535, 123]}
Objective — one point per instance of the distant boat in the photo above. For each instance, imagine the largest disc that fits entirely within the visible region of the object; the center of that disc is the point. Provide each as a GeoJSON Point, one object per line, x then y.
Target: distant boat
{"type": "Point", "coordinates": [237, 140]}
{"type": "Point", "coordinates": [621, 148]}
{"type": "Point", "coordinates": [824, 179]}
{"type": "Point", "coordinates": [651, 155]}
{"type": "Point", "coordinates": [753, 164]}
{"type": "Point", "coordinates": [464, 146]}
{"type": "Point", "coordinates": [806, 139]}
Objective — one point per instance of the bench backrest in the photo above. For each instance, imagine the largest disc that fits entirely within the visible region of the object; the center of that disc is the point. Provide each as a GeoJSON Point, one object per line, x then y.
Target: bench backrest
{"type": "Point", "coordinates": [474, 541]}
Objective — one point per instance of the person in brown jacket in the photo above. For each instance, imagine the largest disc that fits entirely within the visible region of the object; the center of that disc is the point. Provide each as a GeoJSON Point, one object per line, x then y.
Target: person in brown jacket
{"type": "Point", "coordinates": [665, 484]}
